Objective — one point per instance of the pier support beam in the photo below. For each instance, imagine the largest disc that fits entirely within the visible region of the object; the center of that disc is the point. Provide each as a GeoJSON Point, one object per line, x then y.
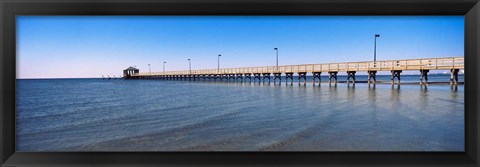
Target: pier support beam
{"type": "Point", "coordinates": [239, 77]}
{"type": "Point", "coordinates": [424, 75]}
{"type": "Point", "coordinates": [257, 76]}
{"type": "Point", "coordinates": [232, 77]}
{"type": "Point", "coordinates": [372, 75]}
{"type": "Point", "coordinates": [265, 76]}
{"type": "Point", "coordinates": [249, 76]}
{"type": "Point", "coordinates": [302, 75]}
{"type": "Point", "coordinates": [316, 75]}
{"type": "Point", "coordinates": [396, 74]}
{"type": "Point", "coordinates": [333, 75]}
{"type": "Point", "coordinates": [277, 75]}
{"type": "Point", "coordinates": [351, 74]}
{"type": "Point", "coordinates": [454, 76]}
{"type": "Point", "coordinates": [225, 76]}
{"type": "Point", "coordinates": [289, 75]}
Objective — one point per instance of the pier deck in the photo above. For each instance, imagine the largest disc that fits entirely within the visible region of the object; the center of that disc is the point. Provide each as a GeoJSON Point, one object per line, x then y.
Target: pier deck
{"type": "Point", "coordinates": [454, 64]}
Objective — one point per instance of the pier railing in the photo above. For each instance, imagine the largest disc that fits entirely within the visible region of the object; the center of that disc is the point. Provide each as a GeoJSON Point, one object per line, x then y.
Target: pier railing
{"type": "Point", "coordinates": [386, 65]}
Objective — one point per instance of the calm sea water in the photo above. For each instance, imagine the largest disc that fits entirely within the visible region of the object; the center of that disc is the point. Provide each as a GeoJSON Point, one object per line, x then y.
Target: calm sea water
{"type": "Point", "coordinates": [155, 115]}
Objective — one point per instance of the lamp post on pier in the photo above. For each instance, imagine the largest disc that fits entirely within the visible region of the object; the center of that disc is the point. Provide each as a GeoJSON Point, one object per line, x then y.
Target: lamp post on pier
{"type": "Point", "coordinates": [164, 67]}
{"type": "Point", "coordinates": [219, 62]}
{"type": "Point", "coordinates": [375, 50]}
{"type": "Point", "coordinates": [276, 49]}
{"type": "Point", "coordinates": [149, 69]}
{"type": "Point", "coordinates": [189, 66]}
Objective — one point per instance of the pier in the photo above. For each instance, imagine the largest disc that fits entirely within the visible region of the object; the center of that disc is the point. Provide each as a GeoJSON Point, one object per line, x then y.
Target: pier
{"type": "Point", "coordinates": [267, 74]}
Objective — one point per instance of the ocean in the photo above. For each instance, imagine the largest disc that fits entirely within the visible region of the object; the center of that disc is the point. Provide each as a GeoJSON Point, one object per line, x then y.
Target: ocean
{"type": "Point", "coordinates": [158, 115]}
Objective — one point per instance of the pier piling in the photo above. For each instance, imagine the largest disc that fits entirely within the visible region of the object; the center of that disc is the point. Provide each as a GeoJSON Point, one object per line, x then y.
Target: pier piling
{"type": "Point", "coordinates": [302, 75]}
{"type": "Point", "coordinates": [239, 77]}
{"type": "Point", "coordinates": [287, 76]}
{"type": "Point", "coordinates": [249, 76]}
{"type": "Point", "coordinates": [351, 74]}
{"type": "Point", "coordinates": [424, 75]}
{"type": "Point", "coordinates": [332, 75]}
{"type": "Point", "coordinates": [266, 76]}
{"type": "Point", "coordinates": [372, 75]}
{"type": "Point", "coordinates": [257, 76]}
{"type": "Point", "coordinates": [396, 74]}
{"type": "Point", "coordinates": [316, 75]}
{"type": "Point", "coordinates": [279, 76]}
{"type": "Point", "coordinates": [454, 76]}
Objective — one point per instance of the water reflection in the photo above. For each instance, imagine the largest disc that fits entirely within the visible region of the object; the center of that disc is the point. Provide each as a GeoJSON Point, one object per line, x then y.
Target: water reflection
{"type": "Point", "coordinates": [351, 95]}
{"type": "Point", "coordinates": [453, 88]}
{"type": "Point", "coordinates": [372, 97]}
{"type": "Point", "coordinates": [423, 98]}
{"type": "Point", "coordinates": [241, 117]}
{"type": "Point", "coordinates": [372, 86]}
{"type": "Point", "coordinates": [333, 93]}
{"type": "Point", "coordinates": [395, 97]}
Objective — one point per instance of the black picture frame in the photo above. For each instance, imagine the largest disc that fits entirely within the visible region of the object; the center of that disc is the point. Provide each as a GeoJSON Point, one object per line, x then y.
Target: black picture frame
{"type": "Point", "coordinates": [11, 8]}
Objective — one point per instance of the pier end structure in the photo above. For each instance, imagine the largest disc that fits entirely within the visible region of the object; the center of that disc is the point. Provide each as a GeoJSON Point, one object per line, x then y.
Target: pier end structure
{"type": "Point", "coordinates": [130, 72]}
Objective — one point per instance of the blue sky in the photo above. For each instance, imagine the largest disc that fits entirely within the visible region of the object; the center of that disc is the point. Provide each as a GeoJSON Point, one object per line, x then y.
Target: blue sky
{"type": "Point", "coordinates": [92, 46]}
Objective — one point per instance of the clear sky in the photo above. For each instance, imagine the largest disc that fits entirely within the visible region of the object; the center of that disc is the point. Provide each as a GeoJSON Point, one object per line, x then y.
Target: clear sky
{"type": "Point", "coordinates": [92, 46]}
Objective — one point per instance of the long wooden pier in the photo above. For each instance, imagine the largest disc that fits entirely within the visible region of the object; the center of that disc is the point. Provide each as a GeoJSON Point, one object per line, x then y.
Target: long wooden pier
{"type": "Point", "coordinates": [453, 64]}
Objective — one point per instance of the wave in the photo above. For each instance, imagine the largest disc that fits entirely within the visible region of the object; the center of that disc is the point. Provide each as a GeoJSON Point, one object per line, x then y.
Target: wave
{"type": "Point", "coordinates": [301, 135]}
